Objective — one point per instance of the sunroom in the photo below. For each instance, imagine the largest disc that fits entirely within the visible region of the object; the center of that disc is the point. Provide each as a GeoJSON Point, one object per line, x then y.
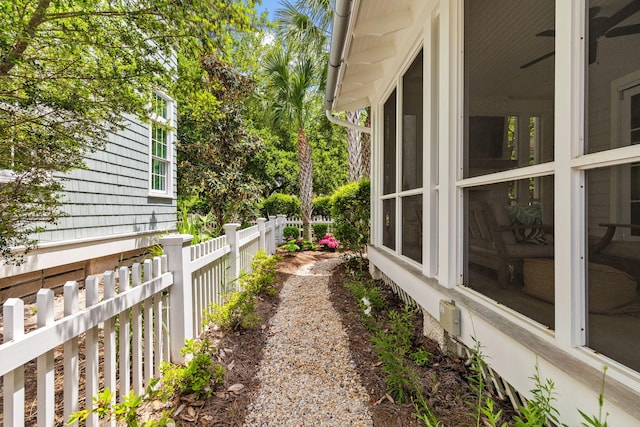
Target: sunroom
{"type": "Point", "coordinates": [506, 178]}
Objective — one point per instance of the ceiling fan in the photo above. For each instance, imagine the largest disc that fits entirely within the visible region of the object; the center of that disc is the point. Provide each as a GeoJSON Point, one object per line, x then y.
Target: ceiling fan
{"type": "Point", "coordinates": [599, 26]}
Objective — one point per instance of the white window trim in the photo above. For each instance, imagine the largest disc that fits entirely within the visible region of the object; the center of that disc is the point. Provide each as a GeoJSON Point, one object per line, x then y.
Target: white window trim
{"type": "Point", "coordinates": [398, 193]}
{"type": "Point", "coordinates": [168, 192]}
{"type": "Point", "coordinates": [568, 168]}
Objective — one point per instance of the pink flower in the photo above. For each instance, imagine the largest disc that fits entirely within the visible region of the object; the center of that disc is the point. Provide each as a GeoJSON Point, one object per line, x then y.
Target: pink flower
{"type": "Point", "coordinates": [329, 241]}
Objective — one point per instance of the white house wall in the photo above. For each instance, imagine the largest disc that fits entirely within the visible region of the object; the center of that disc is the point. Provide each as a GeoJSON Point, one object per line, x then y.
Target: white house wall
{"type": "Point", "coordinates": [514, 345]}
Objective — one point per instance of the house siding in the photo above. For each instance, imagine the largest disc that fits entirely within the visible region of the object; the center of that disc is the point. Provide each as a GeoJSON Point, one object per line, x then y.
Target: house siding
{"type": "Point", "coordinates": [111, 196]}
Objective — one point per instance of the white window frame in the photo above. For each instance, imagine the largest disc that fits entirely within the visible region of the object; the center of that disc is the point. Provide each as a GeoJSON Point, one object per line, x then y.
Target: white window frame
{"type": "Point", "coordinates": [169, 122]}
{"type": "Point", "coordinates": [398, 195]}
{"type": "Point", "coordinates": [568, 169]}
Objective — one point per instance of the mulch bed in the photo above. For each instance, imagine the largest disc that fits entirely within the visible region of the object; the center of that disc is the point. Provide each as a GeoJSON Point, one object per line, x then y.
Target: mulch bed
{"type": "Point", "coordinates": [444, 377]}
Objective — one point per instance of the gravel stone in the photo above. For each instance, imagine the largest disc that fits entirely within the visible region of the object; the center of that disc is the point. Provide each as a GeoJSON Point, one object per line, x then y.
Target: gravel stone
{"type": "Point", "coordinates": [307, 375]}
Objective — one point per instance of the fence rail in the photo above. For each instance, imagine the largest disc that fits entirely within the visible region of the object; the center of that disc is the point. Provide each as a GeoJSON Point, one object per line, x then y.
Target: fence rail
{"type": "Point", "coordinates": [151, 307]}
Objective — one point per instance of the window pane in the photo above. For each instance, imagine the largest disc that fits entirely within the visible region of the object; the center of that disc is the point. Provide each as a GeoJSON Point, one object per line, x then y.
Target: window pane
{"type": "Point", "coordinates": [613, 218]}
{"type": "Point", "coordinates": [509, 77]}
{"type": "Point", "coordinates": [389, 157]}
{"type": "Point", "coordinates": [509, 246]}
{"type": "Point", "coordinates": [412, 126]}
{"type": "Point", "coordinates": [159, 142]}
{"type": "Point", "coordinates": [412, 227]}
{"type": "Point", "coordinates": [612, 63]}
{"type": "Point", "coordinates": [160, 106]}
{"type": "Point", "coordinates": [389, 223]}
{"type": "Point", "coordinates": [158, 175]}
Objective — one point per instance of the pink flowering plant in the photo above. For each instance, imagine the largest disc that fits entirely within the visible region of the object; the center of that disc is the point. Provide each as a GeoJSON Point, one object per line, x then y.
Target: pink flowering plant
{"type": "Point", "coordinates": [329, 242]}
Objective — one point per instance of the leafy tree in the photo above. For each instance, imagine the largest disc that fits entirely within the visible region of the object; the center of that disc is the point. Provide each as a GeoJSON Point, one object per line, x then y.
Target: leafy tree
{"type": "Point", "coordinates": [215, 147]}
{"type": "Point", "coordinates": [69, 71]}
{"type": "Point", "coordinates": [329, 156]}
{"type": "Point", "coordinates": [285, 204]}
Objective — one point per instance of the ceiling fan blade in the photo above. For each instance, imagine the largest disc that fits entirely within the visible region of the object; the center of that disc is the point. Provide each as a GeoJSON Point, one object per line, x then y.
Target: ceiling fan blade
{"type": "Point", "coordinates": [593, 50]}
{"type": "Point", "coordinates": [538, 59]}
{"type": "Point", "coordinates": [547, 33]}
{"type": "Point", "coordinates": [627, 11]}
{"type": "Point", "coordinates": [623, 31]}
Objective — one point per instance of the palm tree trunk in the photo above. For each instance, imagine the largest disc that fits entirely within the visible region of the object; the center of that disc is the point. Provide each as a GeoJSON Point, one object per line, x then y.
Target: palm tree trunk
{"type": "Point", "coordinates": [354, 148]}
{"type": "Point", "coordinates": [306, 182]}
{"type": "Point", "coordinates": [366, 147]}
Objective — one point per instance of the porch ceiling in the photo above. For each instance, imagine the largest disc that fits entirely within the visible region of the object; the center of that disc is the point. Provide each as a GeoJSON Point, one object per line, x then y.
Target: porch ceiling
{"type": "Point", "coordinates": [379, 29]}
{"type": "Point", "coordinates": [374, 34]}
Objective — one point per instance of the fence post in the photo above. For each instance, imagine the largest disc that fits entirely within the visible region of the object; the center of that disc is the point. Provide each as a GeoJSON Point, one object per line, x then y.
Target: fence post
{"type": "Point", "coordinates": [13, 314]}
{"type": "Point", "coordinates": [180, 297]}
{"type": "Point", "coordinates": [263, 232]}
{"type": "Point", "coordinates": [273, 242]}
{"type": "Point", "coordinates": [46, 367]}
{"type": "Point", "coordinates": [233, 265]}
{"type": "Point", "coordinates": [280, 221]}
{"type": "Point", "coordinates": [71, 360]}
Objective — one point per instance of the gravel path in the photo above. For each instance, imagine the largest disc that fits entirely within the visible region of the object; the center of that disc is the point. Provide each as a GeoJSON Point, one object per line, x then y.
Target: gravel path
{"type": "Point", "coordinates": [307, 375]}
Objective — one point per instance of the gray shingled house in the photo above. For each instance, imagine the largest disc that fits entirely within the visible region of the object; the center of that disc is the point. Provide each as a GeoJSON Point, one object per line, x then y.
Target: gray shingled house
{"type": "Point", "coordinates": [114, 208]}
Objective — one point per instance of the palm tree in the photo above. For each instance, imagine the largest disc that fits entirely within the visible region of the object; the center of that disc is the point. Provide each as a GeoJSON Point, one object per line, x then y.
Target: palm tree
{"type": "Point", "coordinates": [293, 84]}
{"type": "Point", "coordinates": [306, 25]}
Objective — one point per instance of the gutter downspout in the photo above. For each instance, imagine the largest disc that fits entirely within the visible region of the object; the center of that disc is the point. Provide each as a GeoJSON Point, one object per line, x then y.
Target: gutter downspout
{"type": "Point", "coordinates": [338, 36]}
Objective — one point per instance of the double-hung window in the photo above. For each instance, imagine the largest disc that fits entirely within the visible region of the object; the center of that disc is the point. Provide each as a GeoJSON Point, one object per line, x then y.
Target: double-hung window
{"type": "Point", "coordinates": [161, 135]}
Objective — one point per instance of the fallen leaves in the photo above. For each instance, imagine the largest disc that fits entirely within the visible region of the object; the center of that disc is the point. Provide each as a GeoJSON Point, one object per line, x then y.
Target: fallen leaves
{"type": "Point", "coordinates": [235, 388]}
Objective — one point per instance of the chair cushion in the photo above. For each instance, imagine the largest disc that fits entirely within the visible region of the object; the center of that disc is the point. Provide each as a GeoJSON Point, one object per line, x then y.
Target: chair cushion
{"type": "Point", "coordinates": [609, 288]}
{"type": "Point", "coordinates": [523, 215]}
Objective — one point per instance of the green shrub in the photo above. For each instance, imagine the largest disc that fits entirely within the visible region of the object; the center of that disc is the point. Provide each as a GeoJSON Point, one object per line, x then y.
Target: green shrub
{"type": "Point", "coordinates": [393, 347]}
{"type": "Point", "coordinates": [201, 227]}
{"type": "Point", "coordinates": [239, 310]}
{"type": "Point", "coordinates": [291, 232]}
{"type": "Point", "coordinates": [198, 376]}
{"type": "Point", "coordinates": [368, 290]}
{"type": "Point", "coordinates": [319, 230]}
{"type": "Point", "coordinates": [124, 412]}
{"type": "Point", "coordinates": [285, 204]}
{"type": "Point", "coordinates": [350, 212]}
{"type": "Point", "coordinates": [322, 206]}
{"type": "Point", "coordinates": [291, 246]}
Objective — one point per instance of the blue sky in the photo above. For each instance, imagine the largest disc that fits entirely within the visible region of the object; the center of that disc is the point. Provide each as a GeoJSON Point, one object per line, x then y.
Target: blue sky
{"type": "Point", "coordinates": [269, 6]}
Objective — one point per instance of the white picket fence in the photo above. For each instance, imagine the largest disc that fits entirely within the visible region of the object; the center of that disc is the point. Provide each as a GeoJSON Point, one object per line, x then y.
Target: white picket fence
{"type": "Point", "coordinates": [152, 307]}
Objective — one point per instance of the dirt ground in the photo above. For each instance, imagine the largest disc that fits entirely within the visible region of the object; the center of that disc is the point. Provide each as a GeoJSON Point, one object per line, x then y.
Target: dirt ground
{"type": "Point", "coordinates": [444, 376]}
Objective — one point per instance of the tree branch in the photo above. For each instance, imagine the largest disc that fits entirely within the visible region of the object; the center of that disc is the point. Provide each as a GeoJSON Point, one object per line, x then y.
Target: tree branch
{"type": "Point", "coordinates": [21, 44]}
{"type": "Point", "coordinates": [109, 13]}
